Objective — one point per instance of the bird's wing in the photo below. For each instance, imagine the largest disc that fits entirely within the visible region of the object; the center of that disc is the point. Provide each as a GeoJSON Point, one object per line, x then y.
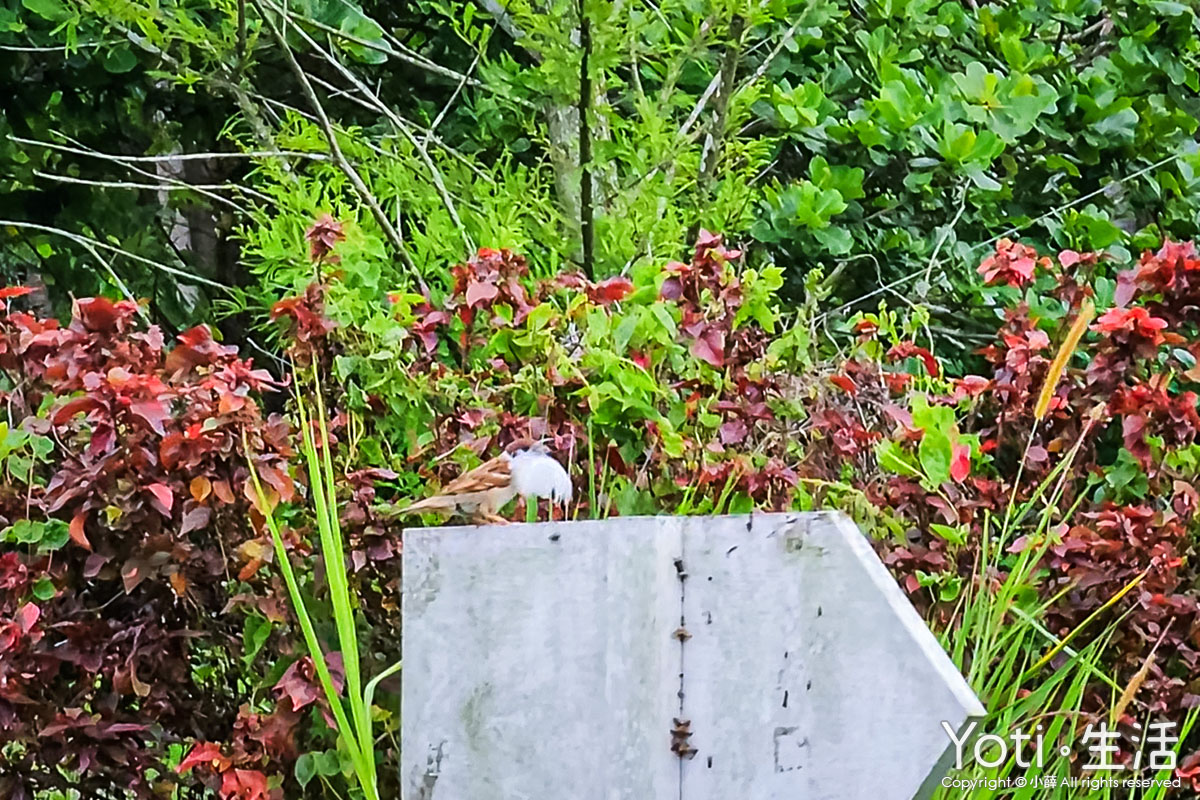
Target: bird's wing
{"type": "Point", "coordinates": [491, 474]}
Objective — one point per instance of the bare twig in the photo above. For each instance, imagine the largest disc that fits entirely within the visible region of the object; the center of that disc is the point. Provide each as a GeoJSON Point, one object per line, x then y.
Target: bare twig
{"type": "Point", "coordinates": [676, 69]}
{"type": "Point", "coordinates": [716, 133]}
{"type": "Point", "coordinates": [709, 91]}
{"type": "Point", "coordinates": [199, 188]}
{"type": "Point", "coordinates": [360, 187]}
{"type": "Point", "coordinates": [260, 131]}
{"type": "Point", "coordinates": [407, 55]}
{"type": "Point", "coordinates": [453, 96]}
{"type": "Point", "coordinates": [116, 279]}
{"type": "Point", "coordinates": [87, 241]}
{"type": "Point", "coordinates": [983, 245]}
{"type": "Point", "coordinates": [962, 205]}
{"type": "Point", "coordinates": [774, 54]}
{"type": "Point", "coordinates": [169, 156]}
{"type": "Point", "coordinates": [271, 102]}
{"type": "Point", "coordinates": [241, 33]}
{"type": "Point", "coordinates": [586, 212]}
{"type": "Point", "coordinates": [124, 162]}
{"type": "Point", "coordinates": [397, 122]}
{"type": "Point", "coordinates": [60, 48]}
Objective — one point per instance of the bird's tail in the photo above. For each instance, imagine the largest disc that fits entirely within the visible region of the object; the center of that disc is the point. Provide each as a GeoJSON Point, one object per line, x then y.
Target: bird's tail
{"type": "Point", "coordinates": [435, 503]}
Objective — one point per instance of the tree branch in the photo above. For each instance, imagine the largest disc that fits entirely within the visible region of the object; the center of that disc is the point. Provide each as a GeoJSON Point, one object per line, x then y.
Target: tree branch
{"type": "Point", "coordinates": [167, 156]}
{"type": "Point", "coordinates": [405, 54]}
{"type": "Point", "coordinates": [715, 140]}
{"type": "Point", "coordinates": [172, 185]}
{"type": "Point", "coordinates": [398, 123]}
{"type": "Point", "coordinates": [360, 187]}
{"type": "Point", "coordinates": [586, 211]}
{"type": "Point", "coordinates": [88, 242]}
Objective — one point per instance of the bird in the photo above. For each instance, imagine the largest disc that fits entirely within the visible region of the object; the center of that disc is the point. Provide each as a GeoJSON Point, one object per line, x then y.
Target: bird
{"type": "Point", "coordinates": [524, 469]}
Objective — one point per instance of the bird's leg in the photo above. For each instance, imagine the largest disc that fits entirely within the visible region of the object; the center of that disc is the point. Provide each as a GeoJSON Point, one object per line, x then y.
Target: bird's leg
{"type": "Point", "coordinates": [493, 517]}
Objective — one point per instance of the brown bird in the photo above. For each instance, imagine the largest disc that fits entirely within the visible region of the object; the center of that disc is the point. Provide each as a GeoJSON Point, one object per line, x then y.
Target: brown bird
{"type": "Point", "coordinates": [525, 468]}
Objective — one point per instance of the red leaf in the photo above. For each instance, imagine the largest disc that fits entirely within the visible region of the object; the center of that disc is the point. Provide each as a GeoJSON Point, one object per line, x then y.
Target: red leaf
{"type": "Point", "coordinates": [27, 616]}
{"type": "Point", "coordinates": [707, 238]}
{"type": "Point", "coordinates": [70, 408]}
{"type": "Point", "coordinates": [279, 480]}
{"type": "Point", "coordinates": [973, 385]}
{"type": "Point", "coordinates": [154, 412]}
{"type": "Point", "coordinates": [960, 462]}
{"type": "Point", "coordinates": [323, 235]}
{"type": "Point", "coordinates": [77, 533]}
{"type": "Point", "coordinates": [195, 518]}
{"type": "Point", "coordinates": [99, 314]}
{"type": "Point", "coordinates": [171, 449]}
{"type": "Point", "coordinates": [709, 346]}
{"type": "Point", "coordinates": [733, 432]}
{"type": "Point", "coordinates": [103, 438]}
{"type": "Point", "coordinates": [300, 685]}
{"type": "Point", "coordinates": [611, 290]}
{"type": "Point", "coordinates": [479, 292]}
{"type": "Point", "coordinates": [164, 498]}
{"type": "Point", "coordinates": [244, 784]}
{"type": "Point", "coordinates": [14, 291]}
{"type": "Point", "coordinates": [866, 327]}
{"type": "Point", "coordinates": [204, 754]}
{"type": "Point", "coordinates": [1019, 545]}
{"type": "Point", "coordinates": [1068, 258]}
{"type": "Point", "coordinates": [95, 562]}
{"type": "Point", "coordinates": [844, 383]}
{"type": "Point", "coordinates": [222, 491]}
{"type": "Point", "coordinates": [909, 350]}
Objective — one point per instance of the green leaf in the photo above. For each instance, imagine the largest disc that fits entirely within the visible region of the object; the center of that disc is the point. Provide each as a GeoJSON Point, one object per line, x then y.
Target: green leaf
{"type": "Point", "coordinates": [23, 531]}
{"type": "Point", "coordinates": [838, 241]}
{"type": "Point", "coordinates": [950, 589]}
{"type": "Point", "coordinates": [983, 180]}
{"type": "Point", "coordinates": [42, 446]}
{"type": "Point", "coordinates": [119, 60]}
{"type": "Point", "coordinates": [1121, 125]}
{"type": "Point", "coordinates": [44, 589]}
{"type": "Point", "coordinates": [954, 535]}
{"type": "Point", "coordinates": [55, 534]}
{"type": "Point", "coordinates": [928, 417]}
{"type": "Point", "coordinates": [1126, 478]}
{"type": "Point", "coordinates": [1169, 9]}
{"type": "Point", "coordinates": [328, 764]}
{"type": "Point", "coordinates": [255, 632]}
{"type": "Point", "coordinates": [52, 10]}
{"type": "Point", "coordinates": [19, 467]}
{"type": "Point", "coordinates": [306, 768]}
{"type": "Point", "coordinates": [935, 453]}
{"type": "Point", "coordinates": [894, 459]}
{"type": "Point", "coordinates": [625, 332]}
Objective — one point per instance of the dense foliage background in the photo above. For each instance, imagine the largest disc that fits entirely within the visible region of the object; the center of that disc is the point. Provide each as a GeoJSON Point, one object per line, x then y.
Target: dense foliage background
{"type": "Point", "coordinates": [879, 256]}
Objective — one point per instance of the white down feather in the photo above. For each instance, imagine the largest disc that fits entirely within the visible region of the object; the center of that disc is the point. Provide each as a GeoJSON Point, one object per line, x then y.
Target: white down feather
{"type": "Point", "coordinates": [538, 475]}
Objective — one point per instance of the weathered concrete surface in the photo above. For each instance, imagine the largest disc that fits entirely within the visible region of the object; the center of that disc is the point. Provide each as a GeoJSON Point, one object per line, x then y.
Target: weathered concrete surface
{"type": "Point", "coordinates": [808, 674]}
{"type": "Point", "coordinates": [545, 662]}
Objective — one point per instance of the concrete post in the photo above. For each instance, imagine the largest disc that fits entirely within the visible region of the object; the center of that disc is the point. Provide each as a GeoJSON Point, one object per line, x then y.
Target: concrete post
{"type": "Point", "coordinates": [764, 657]}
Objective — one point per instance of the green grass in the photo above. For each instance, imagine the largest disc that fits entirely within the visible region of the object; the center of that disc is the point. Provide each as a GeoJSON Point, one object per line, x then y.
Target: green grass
{"type": "Point", "coordinates": [352, 714]}
{"type": "Point", "coordinates": [1009, 658]}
